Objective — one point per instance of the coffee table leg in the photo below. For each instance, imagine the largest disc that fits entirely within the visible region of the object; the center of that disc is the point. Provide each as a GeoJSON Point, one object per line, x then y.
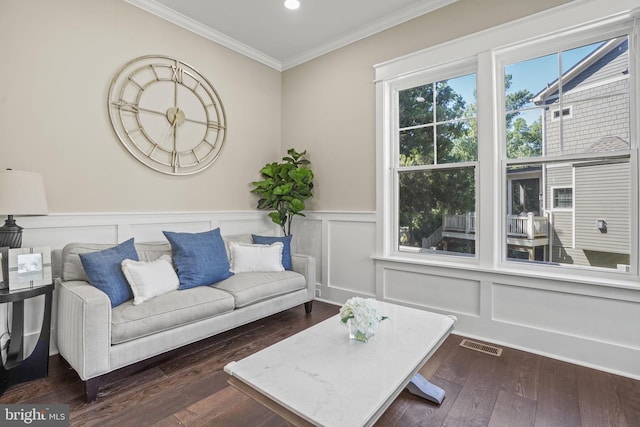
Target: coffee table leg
{"type": "Point", "coordinates": [289, 416]}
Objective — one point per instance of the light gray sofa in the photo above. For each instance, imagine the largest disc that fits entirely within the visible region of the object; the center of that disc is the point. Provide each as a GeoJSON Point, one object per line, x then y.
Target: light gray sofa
{"type": "Point", "coordinates": [103, 343]}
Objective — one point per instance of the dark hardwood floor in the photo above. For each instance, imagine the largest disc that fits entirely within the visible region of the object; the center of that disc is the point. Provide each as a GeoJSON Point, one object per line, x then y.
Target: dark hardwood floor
{"type": "Point", "coordinates": [190, 388]}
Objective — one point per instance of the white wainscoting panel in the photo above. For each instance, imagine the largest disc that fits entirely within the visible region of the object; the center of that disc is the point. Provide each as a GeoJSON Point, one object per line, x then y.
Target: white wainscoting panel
{"type": "Point", "coordinates": [350, 266]}
{"type": "Point", "coordinates": [308, 239]}
{"type": "Point", "coordinates": [452, 295]}
{"type": "Point", "coordinates": [581, 316]}
{"type": "Point", "coordinates": [153, 232]}
{"type": "Point", "coordinates": [343, 244]}
{"type": "Point", "coordinates": [579, 323]}
{"type": "Point", "coordinates": [56, 230]}
{"type": "Point", "coordinates": [56, 236]}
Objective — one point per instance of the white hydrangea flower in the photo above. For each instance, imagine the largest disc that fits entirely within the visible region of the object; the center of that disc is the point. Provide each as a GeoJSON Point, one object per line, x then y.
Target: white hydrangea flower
{"type": "Point", "coordinates": [364, 316]}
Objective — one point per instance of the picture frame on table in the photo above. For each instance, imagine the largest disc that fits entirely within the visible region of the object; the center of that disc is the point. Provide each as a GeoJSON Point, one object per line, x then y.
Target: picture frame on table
{"type": "Point", "coordinates": [29, 267]}
{"type": "Point", "coordinates": [4, 267]}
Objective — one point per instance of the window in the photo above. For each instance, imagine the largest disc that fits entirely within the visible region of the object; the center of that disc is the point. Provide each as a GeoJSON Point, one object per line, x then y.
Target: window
{"type": "Point", "coordinates": [436, 166]}
{"type": "Point", "coordinates": [563, 198]}
{"type": "Point", "coordinates": [582, 164]}
{"type": "Point", "coordinates": [509, 147]}
{"type": "Point", "coordinates": [566, 113]}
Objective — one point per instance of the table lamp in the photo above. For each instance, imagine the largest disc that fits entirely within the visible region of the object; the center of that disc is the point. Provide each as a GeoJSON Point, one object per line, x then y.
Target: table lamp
{"type": "Point", "coordinates": [21, 193]}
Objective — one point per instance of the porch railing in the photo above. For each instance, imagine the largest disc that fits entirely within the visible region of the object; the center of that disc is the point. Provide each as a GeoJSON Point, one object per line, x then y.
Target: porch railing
{"type": "Point", "coordinates": [433, 240]}
{"type": "Point", "coordinates": [465, 223]}
{"type": "Point", "coordinates": [528, 226]}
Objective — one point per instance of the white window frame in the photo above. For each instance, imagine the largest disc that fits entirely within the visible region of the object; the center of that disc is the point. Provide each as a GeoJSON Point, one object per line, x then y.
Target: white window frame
{"type": "Point", "coordinates": [518, 40]}
{"type": "Point", "coordinates": [560, 112]}
{"type": "Point", "coordinates": [435, 74]}
{"type": "Point", "coordinates": [553, 198]}
{"type": "Point", "coordinates": [545, 45]}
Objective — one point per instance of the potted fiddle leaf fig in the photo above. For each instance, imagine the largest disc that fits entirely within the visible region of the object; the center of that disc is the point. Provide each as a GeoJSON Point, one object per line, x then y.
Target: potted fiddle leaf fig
{"type": "Point", "coordinates": [284, 188]}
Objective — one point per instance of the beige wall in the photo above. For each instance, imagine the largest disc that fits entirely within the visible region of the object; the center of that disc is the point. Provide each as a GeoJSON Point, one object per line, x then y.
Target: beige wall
{"type": "Point", "coordinates": [58, 60]}
{"type": "Point", "coordinates": [59, 57]}
{"type": "Point", "coordinates": [328, 103]}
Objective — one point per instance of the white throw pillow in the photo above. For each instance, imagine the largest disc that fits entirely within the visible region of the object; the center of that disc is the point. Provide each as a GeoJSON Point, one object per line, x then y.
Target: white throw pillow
{"type": "Point", "coordinates": [249, 257]}
{"type": "Point", "coordinates": [241, 238]}
{"type": "Point", "coordinates": [150, 279]}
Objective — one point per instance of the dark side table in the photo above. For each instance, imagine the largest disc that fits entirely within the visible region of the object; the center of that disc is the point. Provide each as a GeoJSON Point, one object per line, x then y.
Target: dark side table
{"type": "Point", "coordinates": [16, 369]}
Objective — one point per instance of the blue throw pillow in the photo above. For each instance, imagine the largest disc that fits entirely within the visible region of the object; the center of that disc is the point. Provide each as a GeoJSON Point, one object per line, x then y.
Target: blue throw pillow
{"type": "Point", "coordinates": [104, 271]}
{"type": "Point", "coordinates": [286, 251]}
{"type": "Point", "coordinates": [200, 259]}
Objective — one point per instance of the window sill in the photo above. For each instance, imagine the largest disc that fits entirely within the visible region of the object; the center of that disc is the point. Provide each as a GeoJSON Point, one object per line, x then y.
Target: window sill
{"type": "Point", "coordinates": [557, 274]}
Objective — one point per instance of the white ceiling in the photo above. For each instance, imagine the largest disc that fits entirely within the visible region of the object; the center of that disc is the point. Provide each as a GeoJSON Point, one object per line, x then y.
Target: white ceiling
{"type": "Point", "coordinates": [280, 38]}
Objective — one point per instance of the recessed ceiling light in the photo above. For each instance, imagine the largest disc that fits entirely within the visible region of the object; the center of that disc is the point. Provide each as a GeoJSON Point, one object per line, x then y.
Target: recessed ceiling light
{"type": "Point", "coordinates": [292, 4]}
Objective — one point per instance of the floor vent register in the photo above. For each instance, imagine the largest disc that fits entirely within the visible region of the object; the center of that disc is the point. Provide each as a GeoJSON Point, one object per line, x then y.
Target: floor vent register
{"type": "Point", "coordinates": [483, 348]}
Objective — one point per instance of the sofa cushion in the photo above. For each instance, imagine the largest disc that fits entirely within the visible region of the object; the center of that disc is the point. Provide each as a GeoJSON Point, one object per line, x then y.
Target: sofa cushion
{"type": "Point", "coordinates": [250, 288]}
{"type": "Point", "coordinates": [149, 279]}
{"type": "Point", "coordinates": [72, 266]}
{"type": "Point", "coordinates": [104, 271]}
{"type": "Point", "coordinates": [247, 257]}
{"type": "Point", "coordinates": [286, 251]}
{"type": "Point", "coordinates": [199, 258]}
{"type": "Point", "coordinates": [150, 251]}
{"type": "Point", "coordinates": [168, 311]}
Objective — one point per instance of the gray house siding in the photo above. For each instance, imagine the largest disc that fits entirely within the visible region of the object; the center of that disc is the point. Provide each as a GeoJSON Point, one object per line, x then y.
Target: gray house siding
{"type": "Point", "coordinates": [592, 120]}
{"type": "Point", "coordinates": [602, 192]}
{"type": "Point", "coordinates": [599, 106]}
{"type": "Point", "coordinates": [605, 113]}
{"type": "Point", "coordinates": [606, 67]}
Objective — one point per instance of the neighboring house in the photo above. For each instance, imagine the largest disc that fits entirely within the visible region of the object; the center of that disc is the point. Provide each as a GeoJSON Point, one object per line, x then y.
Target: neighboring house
{"type": "Point", "coordinates": [588, 201]}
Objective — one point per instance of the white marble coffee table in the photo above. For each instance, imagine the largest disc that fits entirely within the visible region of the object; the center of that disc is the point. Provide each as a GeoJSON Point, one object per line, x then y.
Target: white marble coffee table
{"type": "Point", "coordinates": [320, 377]}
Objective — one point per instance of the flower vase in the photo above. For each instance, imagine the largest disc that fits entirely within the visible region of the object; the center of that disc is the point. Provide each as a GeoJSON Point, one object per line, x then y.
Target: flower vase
{"type": "Point", "coordinates": [357, 334]}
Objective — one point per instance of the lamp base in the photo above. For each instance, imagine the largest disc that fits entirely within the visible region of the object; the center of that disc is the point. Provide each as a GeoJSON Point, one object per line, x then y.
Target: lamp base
{"type": "Point", "coordinates": [10, 234]}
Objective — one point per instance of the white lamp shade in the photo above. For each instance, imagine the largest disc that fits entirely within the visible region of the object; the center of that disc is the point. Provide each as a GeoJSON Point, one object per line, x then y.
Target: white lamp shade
{"type": "Point", "coordinates": [22, 193]}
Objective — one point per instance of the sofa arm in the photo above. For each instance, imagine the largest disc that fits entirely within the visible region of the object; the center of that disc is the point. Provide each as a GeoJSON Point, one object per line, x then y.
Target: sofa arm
{"type": "Point", "coordinates": [84, 327]}
{"type": "Point", "coordinates": [306, 265]}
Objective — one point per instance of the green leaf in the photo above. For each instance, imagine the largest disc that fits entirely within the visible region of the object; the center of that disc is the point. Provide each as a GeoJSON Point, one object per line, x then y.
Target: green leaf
{"type": "Point", "coordinates": [296, 205]}
{"type": "Point", "coordinates": [346, 318]}
{"type": "Point", "coordinates": [270, 170]}
{"type": "Point", "coordinates": [275, 217]}
{"type": "Point", "coordinates": [283, 190]}
{"type": "Point", "coordinates": [264, 204]}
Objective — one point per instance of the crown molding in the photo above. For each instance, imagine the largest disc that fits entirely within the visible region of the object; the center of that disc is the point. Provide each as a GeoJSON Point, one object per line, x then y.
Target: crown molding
{"type": "Point", "coordinates": [378, 26]}
{"type": "Point", "coordinates": [209, 33]}
{"type": "Point", "coordinates": [189, 24]}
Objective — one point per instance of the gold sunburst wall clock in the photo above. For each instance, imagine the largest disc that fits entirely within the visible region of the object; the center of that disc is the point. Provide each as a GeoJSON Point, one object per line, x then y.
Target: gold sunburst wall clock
{"type": "Point", "coordinates": [167, 115]}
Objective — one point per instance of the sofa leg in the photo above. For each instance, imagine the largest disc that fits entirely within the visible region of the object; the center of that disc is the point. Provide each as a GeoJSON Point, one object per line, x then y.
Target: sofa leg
{"type": "Point", "coordinates": [91, 389]}
{"type": "Point", "coordinates": [308, 306]}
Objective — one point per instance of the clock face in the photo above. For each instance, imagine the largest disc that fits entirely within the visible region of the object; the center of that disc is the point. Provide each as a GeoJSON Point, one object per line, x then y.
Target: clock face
{"type": "Point", "coordinates": [167, 115]}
